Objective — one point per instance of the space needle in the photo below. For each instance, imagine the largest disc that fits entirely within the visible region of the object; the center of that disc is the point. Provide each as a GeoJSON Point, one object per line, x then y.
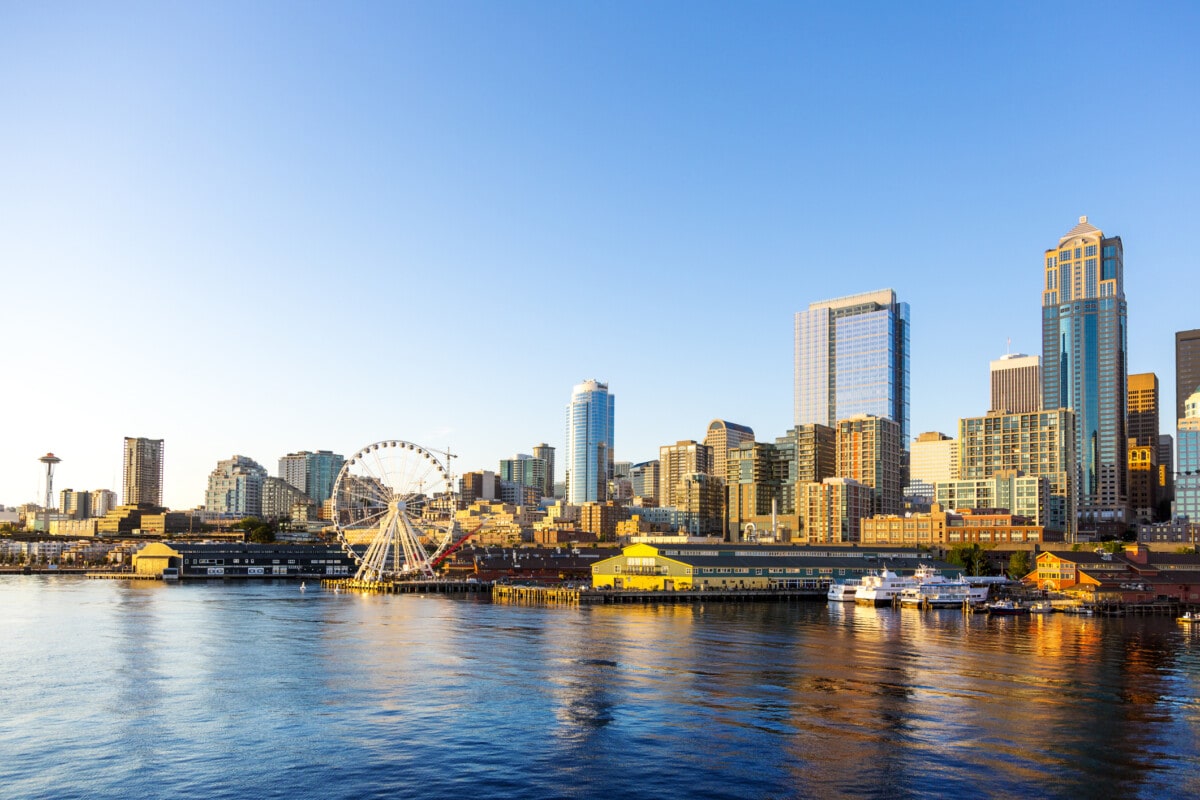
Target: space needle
{"type": "Point", "coordinates": [49, 460]}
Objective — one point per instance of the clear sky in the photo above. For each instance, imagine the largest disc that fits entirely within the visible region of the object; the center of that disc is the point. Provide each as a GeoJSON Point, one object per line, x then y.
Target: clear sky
{"type": "Point", "coordinates": [257, 228]}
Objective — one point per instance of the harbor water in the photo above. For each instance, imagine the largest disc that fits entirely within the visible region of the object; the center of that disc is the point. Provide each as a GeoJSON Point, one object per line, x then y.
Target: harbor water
{"type": "Point", "coordinates": [230, 690]}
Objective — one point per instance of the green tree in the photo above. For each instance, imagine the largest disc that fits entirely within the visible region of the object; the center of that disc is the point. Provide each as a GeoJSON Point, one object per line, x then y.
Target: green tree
{"type": "Point", "coordinates": [971, 557]}
{"type": "Point", "coordinates": [1019, 565]}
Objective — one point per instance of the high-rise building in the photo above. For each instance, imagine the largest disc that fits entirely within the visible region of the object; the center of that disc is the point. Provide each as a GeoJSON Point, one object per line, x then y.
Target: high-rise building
{"type": "Point", "coordinates": [546, 453]}
{"type": "Point", "coordinates": [1084, 362]}
{"type": "Point", "coordinates": [75, 505]}
{"type": "Point", "coordinates": [851, 358]}
{"type": "Point", "coordinates": [589, 442]}
{"type": "Point", "coordinates": [312, 473]}
{"type": "Point", "coordinates": [1187, 452]}
{"type": "Point", "coordinates": [1187, 367]}
{"type": "Point", "coordinates": [235, 487]}
{"type": "Point", "coordinates": [722, 437]}
{"type": "Point", "coordinates": [280, 498]}
{"type": "Point", "coordinates": [869, 451]}
{"type": "Point", "coordinates": [143, 471]}
{"type": "Point", "coordinates": [832, 510]}
{"type": "Point", "coordinates": [524, 470]}
{"type": "Point", "coordinates": [1025, 495]}
{"type": "Point", "coordinates": [933, 458]}
{"type": "Point", "coordinates": [476, 486]}
{"type": "Point", "coordinates": [676, 462]}
{"type": "Point", "coordinates": [102, 501]}
{"type": "Point", "coordinates": [644, 479]}
{"type": "Point", "coordinates": [1016, 384]}
{"type": "Point", "coordinates": [1166, 469]}
{"type": "Point", "coordinates": [1041, 443]}
{"type": "Point", "coordinates": [1142, 430]}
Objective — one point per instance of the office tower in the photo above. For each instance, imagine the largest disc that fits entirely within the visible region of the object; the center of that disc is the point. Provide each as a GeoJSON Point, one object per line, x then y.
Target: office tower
{"type": "Point", "coordinates": [851, 358]}
{"type": "Point", "coordinates": [589, 442]}
{"type": "Point", "coordinates": [102, 501]}
{"type": "Point", "coordinates": [644, 478]}
{"type": "Point", "coordinates": [313, 473]}
{"type": "Point", "coordinates": [235, 487]}
{"type": "Point", "coordinates": [75, 505]}
{"type": "Point", "coordinates": [832, 510]}
{"type": "Point", "coordinates": [1187, 367]}
{"type": "Point", "coordinates": [1016, 384]}
{"type": "Point", "coordinates": [1187, 451]}
{"type": "Point", "coordinates": [1041, 443]}
{"type": "Point", "coordinates": [676, 462]}
{"type": "Point", "coordinates": [546, 453]}
{"type": "Point", "coordinates": [869, 450]}
{"type": "Point", "coordinates": [1142, 429]}
{"type": "Point", "coordinates": [933, 458]}
{"type": "Point", "coordinates": [1083, 362]}
{"type": "Point", "coordinates": [143, 471]}
{"type": "Point", "coordinates": [701, 498]}
{"type": "Point", "coordinates": [722, 437]}
{"type": "Point", "coordinates": [478, 485]}
{"type": "Point", "coordinates": [524, 470]}
{"type": "Point", "coordinates": [1166, 471]}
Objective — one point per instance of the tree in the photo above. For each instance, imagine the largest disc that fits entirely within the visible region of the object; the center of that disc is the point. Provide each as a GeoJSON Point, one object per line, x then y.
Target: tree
{"type": "Point", "coordinates": [971, 557]}
{"type": "Point", "coordinates": [1019, 565]}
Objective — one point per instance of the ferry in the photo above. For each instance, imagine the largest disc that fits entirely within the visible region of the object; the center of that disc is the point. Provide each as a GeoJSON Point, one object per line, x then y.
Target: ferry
{"type": "Point", "coordinates": [881, 588]}
{"type": "Point", "coordinates": [948, 594]}
{"type": "Point", "coordinates": [843, 591]}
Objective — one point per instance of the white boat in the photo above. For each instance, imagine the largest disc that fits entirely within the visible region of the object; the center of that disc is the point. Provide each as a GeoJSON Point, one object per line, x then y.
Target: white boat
{"type": "Point", "coordinates": [1041, 607]}
{"type": "Point", "coordinates": [879, 589]}
{"type": "Point", "coordinates": [843, 591]}
{"type": "Point", "coordinates": [939, 594]}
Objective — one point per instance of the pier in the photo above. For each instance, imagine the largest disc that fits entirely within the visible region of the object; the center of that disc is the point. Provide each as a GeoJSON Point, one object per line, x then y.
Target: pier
{"type": "Point", "coordinates": [549, 595]}
{"type": "Point", "coordinates": [406, 587]}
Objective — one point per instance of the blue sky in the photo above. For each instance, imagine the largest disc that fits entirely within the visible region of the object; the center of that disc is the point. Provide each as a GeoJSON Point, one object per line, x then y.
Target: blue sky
{"type": "Point", "coordinates": [260, 228]}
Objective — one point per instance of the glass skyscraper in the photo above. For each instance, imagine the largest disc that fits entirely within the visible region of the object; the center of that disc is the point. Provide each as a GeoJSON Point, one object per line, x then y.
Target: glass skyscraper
{"type": "Point", "coordinates": [851, 358]}
{"type": "Point", "coordinates": [1084, 362]}
{"type": "Point", "coordinates": [589, 443]}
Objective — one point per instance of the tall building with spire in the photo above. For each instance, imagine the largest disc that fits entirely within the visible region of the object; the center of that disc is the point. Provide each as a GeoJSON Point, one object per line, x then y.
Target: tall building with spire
{"type": "Point", "coordinates": [143, 471]}
{"type": "Point", "coordinates": [1084, 362]}
{"type": "Point", "coordinates": [851, 357]}
{"type": "Point", "coordinates": [589, 443]}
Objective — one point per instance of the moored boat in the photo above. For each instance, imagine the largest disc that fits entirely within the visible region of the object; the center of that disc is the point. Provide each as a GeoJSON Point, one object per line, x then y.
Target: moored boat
{"type": "Point", "coordinates": [1007, 608]}
{"type": "Point", "coordinates": [1189, 617]}
{"type": "Point", "coordinates": [843, 591]}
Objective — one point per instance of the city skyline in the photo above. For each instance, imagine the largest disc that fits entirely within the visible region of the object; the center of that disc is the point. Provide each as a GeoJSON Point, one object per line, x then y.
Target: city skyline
{"type": "Point", "coordinates": [201, 213]}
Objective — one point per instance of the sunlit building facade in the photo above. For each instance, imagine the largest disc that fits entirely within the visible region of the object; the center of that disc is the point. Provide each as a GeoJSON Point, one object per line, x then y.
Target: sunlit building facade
{"type": "Point", "coordinates": [1084, 362]}
{"type": "Point", "coordinates": [852, 357]}
{"type": "Point", "coordinates": [143, 471]}
{"type": "Point", "coordinates": [589, 443]}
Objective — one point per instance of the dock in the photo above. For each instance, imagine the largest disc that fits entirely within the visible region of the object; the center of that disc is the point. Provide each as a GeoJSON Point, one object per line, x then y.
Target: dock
{"type": "Point", "coordinates": [406, 587]}
{"type": "Point", "coordinates": [549, 595]}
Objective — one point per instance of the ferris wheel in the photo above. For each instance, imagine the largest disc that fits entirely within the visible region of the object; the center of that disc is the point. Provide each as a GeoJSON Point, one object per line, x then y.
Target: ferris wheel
{"type": "Point", "coordinates": [397, 499]}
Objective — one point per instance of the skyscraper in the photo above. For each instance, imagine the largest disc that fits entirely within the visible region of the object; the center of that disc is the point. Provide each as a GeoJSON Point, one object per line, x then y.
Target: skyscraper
{"type": "Point", "coordinates": [143, 471]}
{"type": "Point", "coordinates": [235, 487]}
{"type": "Point", "coordinates": [722, 437]}
{"type": "Point", "coordinates": [869, 451]}
{"type": "Point", "coordinates": [1016, 384]}
{"type": "Point", "coordinates": [851, 357]}
{"type": "Point", "coordinates": [1083, 362]}
{"type": "Point", "coordinates": [1187, 451]}
{"type": "Point", "coordinates": [312, 473]}
{"type": "Point", "coordinates": [1142, 430]}
{"type": "Point", "coordinates": [1187, 367]}
{"type": "Point", "coordinates": [678, 461]}
{"type": "Point", "coordinates": [589, 442]}
{"type": "Point", "coordinates": [546, 453]}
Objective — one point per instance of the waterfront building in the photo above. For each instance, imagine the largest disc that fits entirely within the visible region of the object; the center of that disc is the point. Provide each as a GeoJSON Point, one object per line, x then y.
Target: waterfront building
{"type": "Point", "coordinates": [830, 512]}
{"type": "Point", "coordinates": [869, 450]}
{"type": "Point", "coordinates": [1142, 429]}
{"type": "Point", "coordinates": [720, 438]}
{"type": "Point", "coordinates": [1187, 367]}
{"type": "Point", "coordinates": [1040, 443]}
{"type": "Point", "coordinates": [1171, 532]}
{"type": "Point", "coordinates": [1016, 384]}
{"type": "Point", "coordinates": [643, 480]}
{"type": "Point", "coordinates": [852, 357]}
{"type": "Point", "coordinates": [102, 501]}
{"type": "Point", "coordinates": [546, 453]}
{"type": "Point", "coordinates": [244, 560]}
{"type": "Point", "coordinates": [313, 473]}
{"type": "Point", "coordinates": [1187, 454]}
{"type": "Point", "coordinates": [944, 528]}
{"type": "Point", "coordinates": [693, 565]}
{"type": "Point", "coordinates": [1084, 363]}
{"type": "Point", "coordinates": [590, 417]}
{"type": "Point", "coordinates": [280, 498]}
{"type": "Point", "coordinates": [1026, 496]}
{"type": "Point", "coordinates": [1135, 575]}
{"type": "Point", "coordinates": [678, 461]}
{"type": "Point", "coordinates": [235, 487]}
{"type": "Point", "coordinates": [142, 473]}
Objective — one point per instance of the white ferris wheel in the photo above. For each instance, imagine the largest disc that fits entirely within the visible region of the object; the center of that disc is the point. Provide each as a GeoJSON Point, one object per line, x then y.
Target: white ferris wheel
{"type": "Point", "coordinates": [397, 499]}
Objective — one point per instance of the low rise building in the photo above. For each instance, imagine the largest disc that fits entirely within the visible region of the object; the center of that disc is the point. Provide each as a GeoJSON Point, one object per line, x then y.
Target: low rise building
{"type": "Point", "coordinates": [942, 528]}
{"type": "Point", "coordinates": [1135, 575]}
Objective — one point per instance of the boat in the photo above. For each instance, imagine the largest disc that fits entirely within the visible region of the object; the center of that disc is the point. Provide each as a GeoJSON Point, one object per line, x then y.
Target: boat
{"type": "Point", "coordinates": [939, 594]}
{"type": "Point", "coordinates": [1006, 608]}
{"type": "Point", "coordinates": [843, 591]}
{"type": "Point", "coordinates": [879, 589]}
{"type": "Point", "coordinates": [1041, 607]}
{"type": "Point", "coordinates": [303, 587]}
{"type": "Point", "coordinates": [1189, 617]}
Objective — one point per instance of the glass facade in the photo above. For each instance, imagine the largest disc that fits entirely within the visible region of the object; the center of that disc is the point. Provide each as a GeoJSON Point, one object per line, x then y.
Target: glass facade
{"type": "Point", "coordinates": [852, 357]}
{"type": "Point", "coordinates": [589, 443]}
{"type": "Point", "coordinates": [1084, 345]}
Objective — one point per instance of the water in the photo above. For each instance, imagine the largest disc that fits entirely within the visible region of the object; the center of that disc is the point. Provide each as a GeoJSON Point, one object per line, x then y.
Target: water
{"type": "Point", "coordinates": [111, 689]}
